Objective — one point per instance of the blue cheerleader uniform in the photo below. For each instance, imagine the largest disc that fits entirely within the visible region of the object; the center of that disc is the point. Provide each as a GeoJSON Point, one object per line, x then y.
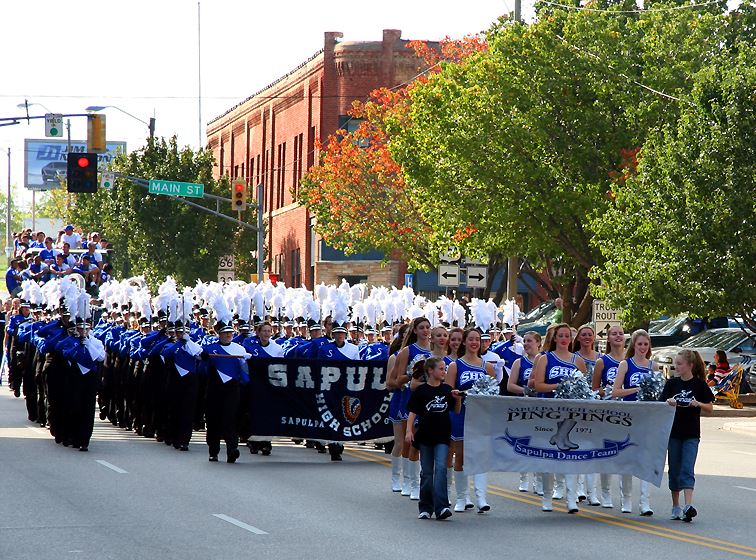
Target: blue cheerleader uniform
{"type": "Point", "coordinates": [609, 373]}
{"type": "Point", "coordinates": [526, 368]}
{"type": "Point", "coordinates": [416, 354]}
{"type": "Point", "coordinates": [633, 376]}
{"type": "Point", "coordinates": [556, 371]}
{"type": "Point", "coordinates": [467, 375]}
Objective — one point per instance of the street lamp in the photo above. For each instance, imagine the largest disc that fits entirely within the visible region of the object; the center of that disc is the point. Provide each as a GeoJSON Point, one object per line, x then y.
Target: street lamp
{"type": "Point", "coordinates": [150, 125]}
{"type": "Point", "coordinates": [26, 105]}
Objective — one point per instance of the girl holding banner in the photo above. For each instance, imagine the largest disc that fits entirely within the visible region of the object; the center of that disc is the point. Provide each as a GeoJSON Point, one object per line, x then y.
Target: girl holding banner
{"type": "Point", "coordinates": [604, 375]}
{"type": "Point", "coordinates": [583, 347]}
{"type": "Point", "coordinates": [550, 369]}
{"type": "Point", "coordinates": [398, 423]}
{"type": "Point", "coordinates": [636, 364]}
{"type": "Point", "coordinates": [461, 375]}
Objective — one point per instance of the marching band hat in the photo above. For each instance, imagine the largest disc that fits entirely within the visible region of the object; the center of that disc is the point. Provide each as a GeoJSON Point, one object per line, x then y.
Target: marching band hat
{"type": "Point", "coordinates": [386, 327]}
{"type": "Point", "coordinates": [203, 312]}
{"type": "Point", "coordinates": [507, 329]}
{"type": "Point", "coordinates": [25, 303]}
{"type": "Point", "coordinates": [243, 325]}
{"type": "Point", "coordinates": [338, 327]}
{"type": "Point", "coordinates": [180, 326]}
{"type": "Point", "coordinates": [288, 322]}
{"type": "Point", "coordinates": [314, 325]}
{"type": "Point", "coordinates": [221, 327]}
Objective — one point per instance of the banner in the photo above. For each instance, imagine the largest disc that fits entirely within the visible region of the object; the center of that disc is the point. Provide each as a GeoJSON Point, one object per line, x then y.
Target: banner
{"type": "Point", "coordinates": [515, 434]}
{"type": "Point", "coordinates": [316, 399]}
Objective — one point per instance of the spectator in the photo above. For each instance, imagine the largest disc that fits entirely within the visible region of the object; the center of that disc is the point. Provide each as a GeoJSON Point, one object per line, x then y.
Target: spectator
{"type": "Point", "coordinates": [23, 245]}
{"type": "Point", "coordinates": [68, 257]}
{"type": "Point", "coordinates": [71, 237]}
{"type": "Point", "coordinates": [60, 267]}
{"type": "Point", "coordinates": [93, 239]}
{"type": "Point", "coordinates": [107, 273]}
{"type": "Point", "coordinates": [59, 241]}
{"type": "Point", "coordinates": [38, 269]}
{"type": "Point", "coordinates": [722, 365]}
{"type": "Point", "coordinates": [39, 241]}
{"type": "Point", "coordinates": [88, 270]}
{"type": "Point", "coordinates": [94, 258]}
{"type": "Point", "coordinates": [559, 314]}
{"type": "Point", "coordinates": [48, 253]}
{"type": "Point", "coordinates": [13, 278]}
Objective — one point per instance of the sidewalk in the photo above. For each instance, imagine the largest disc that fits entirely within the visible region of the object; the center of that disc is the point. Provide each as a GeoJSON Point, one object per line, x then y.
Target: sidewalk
{"type": "Point", "coordinates": [747, 427]}
{"type": "Point", "coordinates": [725, 411]}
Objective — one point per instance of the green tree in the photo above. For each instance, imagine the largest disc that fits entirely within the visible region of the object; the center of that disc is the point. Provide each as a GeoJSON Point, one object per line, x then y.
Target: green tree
{"type": "Point", "coordinates": [18, 214]}
{"type": "Point", "coordinates": [155, 235]}
{"type": "Point", "coordinates": [682, 234]}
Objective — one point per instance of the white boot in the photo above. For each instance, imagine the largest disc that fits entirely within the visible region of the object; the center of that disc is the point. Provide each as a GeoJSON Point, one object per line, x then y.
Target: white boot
{"type": "Point", "coordinates": [415, 482]}
{"type": "Point", "coordinates": [523, 487]}
{"type": "Point", "coordinates": [590, 480]}
{"type": "Point", "coordinates": [606, 490]}
{"type": "Point", "coordinates": [626, 493]}
{"type": "Point", "coordinates": [558, 486]}
{"type": "Point", "coordinates": [538, 484]}
{"type": "Point", "coordinates": [396, 474]}
{"type": "Point", "coordinates": [480, 482]}
{"type": "Point", "coordinates": [581, 492]}
{"type": "Point", "coordinates": [571, 482]}
{"type": "Point", "coordinates": [548, 491]}
{"type": "Point", "coordinates": [406, 477]}
{"type": "Point", "coordinates": [461, 487]}
{"type": "Point", "coordinates": [645, 506]}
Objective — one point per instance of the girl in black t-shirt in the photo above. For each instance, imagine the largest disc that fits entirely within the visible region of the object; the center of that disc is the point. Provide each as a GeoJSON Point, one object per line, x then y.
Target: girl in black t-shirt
{"type": "Point", "coordinates": [430, 404]}
{"type": "Point", "coordinates": [690, 394]}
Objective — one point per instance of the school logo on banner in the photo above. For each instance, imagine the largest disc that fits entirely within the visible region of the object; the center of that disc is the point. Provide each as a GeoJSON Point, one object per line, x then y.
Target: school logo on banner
{"type": "Point", "coordinates": [351, 407]}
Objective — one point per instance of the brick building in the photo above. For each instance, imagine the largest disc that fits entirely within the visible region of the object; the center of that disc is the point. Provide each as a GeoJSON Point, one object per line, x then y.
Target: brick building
{"type": "Point", "coordinates": [269, 139]}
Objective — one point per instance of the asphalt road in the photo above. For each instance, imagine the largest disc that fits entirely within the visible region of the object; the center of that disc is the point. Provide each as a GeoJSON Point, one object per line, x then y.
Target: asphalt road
{"type": "Point", "coordinates": [130, 498]}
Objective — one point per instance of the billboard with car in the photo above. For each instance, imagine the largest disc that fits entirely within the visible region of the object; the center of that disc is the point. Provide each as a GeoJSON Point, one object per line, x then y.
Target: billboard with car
{"type": "Point", "coordinates": [45, 160]}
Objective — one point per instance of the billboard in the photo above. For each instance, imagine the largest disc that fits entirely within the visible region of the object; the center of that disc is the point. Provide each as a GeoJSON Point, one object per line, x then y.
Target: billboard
{"type": "Point", "coordinates": [45, 160]}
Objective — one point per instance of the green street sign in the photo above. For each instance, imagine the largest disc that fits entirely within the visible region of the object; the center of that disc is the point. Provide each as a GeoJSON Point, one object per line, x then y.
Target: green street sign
{"type": "Point", "coordinates": [176, 188]}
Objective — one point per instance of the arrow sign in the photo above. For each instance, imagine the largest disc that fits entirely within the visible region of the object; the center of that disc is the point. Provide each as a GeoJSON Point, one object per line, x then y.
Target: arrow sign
{"type": "Point", "coordinates": [448, 275]}
{"type": "Point", "coordinates": [477, 276]}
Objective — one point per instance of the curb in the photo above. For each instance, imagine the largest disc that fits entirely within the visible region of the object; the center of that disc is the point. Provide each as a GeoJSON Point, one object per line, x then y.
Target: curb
{"type": "Point", "coordinates": [724, 411]}
{"type": "Point", "coordinates": [747, 428]}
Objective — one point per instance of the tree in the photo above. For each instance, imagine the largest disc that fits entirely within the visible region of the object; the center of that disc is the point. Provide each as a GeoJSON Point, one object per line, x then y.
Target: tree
{"type": "Point", "coordinates": [154, 235]}
{"type": "Point", "coordinates": [681, 237]}
{"type": "Point", "coordinates": [54, 204]}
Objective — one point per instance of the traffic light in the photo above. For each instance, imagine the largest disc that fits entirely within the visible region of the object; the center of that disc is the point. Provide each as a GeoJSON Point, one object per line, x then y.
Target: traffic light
{"type": "Point", "coordinates": [238, 194]}
{"type": "Point", "coordinates": [96, 134]}
{"type": "Point", "coordinates": [82, 172]}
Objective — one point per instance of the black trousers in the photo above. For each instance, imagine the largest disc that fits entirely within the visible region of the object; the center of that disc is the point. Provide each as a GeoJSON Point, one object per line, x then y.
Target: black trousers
{"type": "Point", "coordinates": [30, 385]}
{"type": "Point", "coordinates": [222, 408]}
{"type": "Point", "coordinates": [181, 398]}
{"type": "Point", "coordinates": [83, 398]}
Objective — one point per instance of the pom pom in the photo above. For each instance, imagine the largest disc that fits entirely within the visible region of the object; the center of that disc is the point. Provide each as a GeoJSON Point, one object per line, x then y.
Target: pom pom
{"type": "Point", "coordinates": [650, 387]}
{"type": "Point", "coordinates": [485, 385]}
{"type": "Point", "coordinates": [574, 386]}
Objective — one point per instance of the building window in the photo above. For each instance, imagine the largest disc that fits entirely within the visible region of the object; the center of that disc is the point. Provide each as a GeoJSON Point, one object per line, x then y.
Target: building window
{"type": "Point", "coordinates": [280, 175]}
{"type": "Point", "coordinates": [236, 171]}
{"type": "Point", "coordinates": [296, 269]}
{"type": "Point", "coordinates": [251, 170]}
{"type": "Point", "coordinates": [296, 176]}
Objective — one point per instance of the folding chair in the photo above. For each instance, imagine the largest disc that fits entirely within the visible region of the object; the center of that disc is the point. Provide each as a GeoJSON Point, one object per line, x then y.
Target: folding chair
{"type": "Point", "coordinates": [728, 389]}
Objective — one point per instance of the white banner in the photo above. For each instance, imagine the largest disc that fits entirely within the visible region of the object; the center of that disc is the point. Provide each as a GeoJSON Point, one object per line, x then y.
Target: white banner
{"type": "Point", "coordinates": [516, 434]}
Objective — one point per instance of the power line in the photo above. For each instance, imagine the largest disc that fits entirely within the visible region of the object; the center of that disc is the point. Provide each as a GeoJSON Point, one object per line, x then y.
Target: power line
{"type": "Point", "coordinates": [605, 11]}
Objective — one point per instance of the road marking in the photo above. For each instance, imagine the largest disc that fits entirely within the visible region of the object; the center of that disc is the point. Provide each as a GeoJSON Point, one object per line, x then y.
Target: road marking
{"type": "Point", "coordinates": [111, 466]}
{"type": "Point", "coordinates": [746, 488]}
{"type": "Point", "coordinates": [602, 517]}
{"type": "Point", "coordinates": [744, 452]}
{"type": "Point", "coordinates": [241, 524]}
{"type": "Point", "coordinates": [37, 430]}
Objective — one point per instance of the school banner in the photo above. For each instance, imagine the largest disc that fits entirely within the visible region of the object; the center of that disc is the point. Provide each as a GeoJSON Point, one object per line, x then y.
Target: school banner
{"type": "Point", "coordinates": [515, 434]}
{"type": "Point", "coordinates": [317, 399]}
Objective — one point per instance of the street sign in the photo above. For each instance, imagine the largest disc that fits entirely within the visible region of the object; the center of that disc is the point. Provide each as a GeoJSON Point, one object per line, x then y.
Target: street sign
{"type": "Point", "coordinates": [450, 256]}
{"type": "Point", "coordinates": [474, 262]}
{"type": "Point", "coordinates": [176, 188]}
{"type": "Point", "coordinates": [107, 180]}
{"type": "Point", "coordinates": [604, 318]}
{"type": "Point", "coordinates": [226, 262]}
{"type": "Point", "coordinates": [409, 280]}
{"type": "Point", "coordinates": [448, 275]}
{"type": "Point", "coordinates": [226, 276]}
{"type": "Point", "coordinates": [53, 125]}
{"type": "Point", "coordinates": [477, 276]}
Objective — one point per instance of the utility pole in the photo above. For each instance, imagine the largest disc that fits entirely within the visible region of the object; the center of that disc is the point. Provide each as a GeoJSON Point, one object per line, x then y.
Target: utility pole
{"type": "Point", "coordinates": [8, 233]}
{"type": "Point", "coordinates": [518, 11]}
{"type": "Point", "coordinates": [199, 81]}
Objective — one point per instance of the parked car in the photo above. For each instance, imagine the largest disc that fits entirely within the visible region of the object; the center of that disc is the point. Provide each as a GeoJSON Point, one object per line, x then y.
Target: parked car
{"type": "Point", "coordinates": [734, 341]}
{"type": "Point", "coordinates": [538, 319]}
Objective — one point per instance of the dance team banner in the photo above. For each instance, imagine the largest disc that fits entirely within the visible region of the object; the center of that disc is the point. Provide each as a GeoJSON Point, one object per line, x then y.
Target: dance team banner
{"type": "Point", "coordinates": [515, 434]}
{"type": "Point", "coordinates": [316, 399]}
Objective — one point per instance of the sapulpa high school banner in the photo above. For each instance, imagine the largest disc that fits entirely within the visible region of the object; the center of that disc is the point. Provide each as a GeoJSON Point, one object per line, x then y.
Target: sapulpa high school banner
{"type": "Point", "coordinates": [515, 434]}
{"type": "Point", "coordinates": [316, 399]}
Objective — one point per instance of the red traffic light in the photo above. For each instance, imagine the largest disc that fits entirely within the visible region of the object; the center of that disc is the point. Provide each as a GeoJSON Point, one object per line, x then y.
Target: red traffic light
{"type": "Point", "coordinates": [239, 187]}
{"type": "Point", "coordinates": [82, 162]}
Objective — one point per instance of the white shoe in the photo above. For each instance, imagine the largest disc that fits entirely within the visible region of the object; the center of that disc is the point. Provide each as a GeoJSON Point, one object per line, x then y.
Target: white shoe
{"type": "Point", "coordinates": [480, 482]}
{"type": "Point", "coordinates": [558, 494]}
{"type": "Point", "coordinates": [547, 506]}
{"type": "Point", "coordinates": [646, 512]}
{"type": "Point", "coordinates": [415, 494]}
{"type": "Point", "coordinates": [593, 499]}
{"type": "Point", "coordinates": [424, 515]}
{"type": "Point", "coordinates": [677, 514]}
{"type": "Point", "coordinates": [461, 486]}
{"type": "Point", "coordinates": [572, 507]}
{"type": "Point", "coordinates": [523, 487]}
{"type": "Point", "coordinates": [459, 505]}
{"type": "Point", "coordinates": [406, 478]}
{"type": "Point", "coordinates": [414, 480]}
{"type": "Point", "coordinates": [396, 474]}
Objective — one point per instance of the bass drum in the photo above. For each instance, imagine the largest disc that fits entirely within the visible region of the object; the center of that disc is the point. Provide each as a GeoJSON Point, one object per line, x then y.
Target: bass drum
{"type": "Point", "coordinates": [79, 279]}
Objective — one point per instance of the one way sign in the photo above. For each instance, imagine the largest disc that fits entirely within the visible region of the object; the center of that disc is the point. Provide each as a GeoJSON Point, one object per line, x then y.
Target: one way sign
{"type": "Point", "coordinates": [477, 276]}
{"type": "Point", "coordinates": [448, 275]}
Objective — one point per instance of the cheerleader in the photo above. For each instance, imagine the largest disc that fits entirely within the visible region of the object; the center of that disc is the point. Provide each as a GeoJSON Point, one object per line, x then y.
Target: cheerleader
{"type": "Point", "coordinates": [519, 377]}
{"type": "Point", "coordinates": [548, 372]}
{"type": "Point", "coordinates": [394, 413]}
{"type": "Point", "coordinates": [636, 364]}
{"type": "Point", "coordinates": [604, 375]}
{"type": "Point", "coordinates": [415, 347]}
{"type": "Point", "coordinates": [461, 375]}
{"type": "Point", "coordinates": [453, 345]}
{"type": "Point", "coordinates": [583, 346]}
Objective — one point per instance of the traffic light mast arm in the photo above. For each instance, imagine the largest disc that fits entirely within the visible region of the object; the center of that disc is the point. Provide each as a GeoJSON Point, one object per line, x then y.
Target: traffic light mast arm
{"type": "Point", "coordinates": [17, 120]}
{"type": "Point", "coordinates": [144, 183]}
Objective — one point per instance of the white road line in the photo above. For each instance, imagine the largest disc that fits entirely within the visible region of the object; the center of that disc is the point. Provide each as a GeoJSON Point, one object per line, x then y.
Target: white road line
{"type": "Point", "coordinates": [744, 452]}
{"type": "Point", "coordinates": [746, 488]}
{"type": "Point", "coordinates": [241, 524]}
{"type": "Point", "coordinates": [111, 466]}
{"type": "Point", "coordinates": [38, 430]}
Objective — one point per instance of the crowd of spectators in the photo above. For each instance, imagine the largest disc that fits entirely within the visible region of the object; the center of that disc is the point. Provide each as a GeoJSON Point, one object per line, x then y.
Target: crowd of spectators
{"type": "Point", "coordinates": [39, 257]}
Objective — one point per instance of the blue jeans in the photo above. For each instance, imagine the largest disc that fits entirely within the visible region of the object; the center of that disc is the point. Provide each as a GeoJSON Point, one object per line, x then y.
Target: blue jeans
{"type": "Point", "coordinates": [433, 494]}
{"type": "Point", "coordinates": [681, 456]}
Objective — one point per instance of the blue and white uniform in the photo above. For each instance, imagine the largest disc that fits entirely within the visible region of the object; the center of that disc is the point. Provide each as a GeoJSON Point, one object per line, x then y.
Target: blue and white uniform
{"type": "Point", "coordinates": [526, 368]}
{"type": "Point", "coordinates": [556, 371]}
{"type": "Point", "coordinates": [633, 376]}
{"type": "Point", "coordinates": [415, 354]}
{"type": "Point", "coordinates": [331, 351]}
{"type": "Point", "coordinates": [467, 375]}
{"type": "Point", "coordinates": [609, 373]}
